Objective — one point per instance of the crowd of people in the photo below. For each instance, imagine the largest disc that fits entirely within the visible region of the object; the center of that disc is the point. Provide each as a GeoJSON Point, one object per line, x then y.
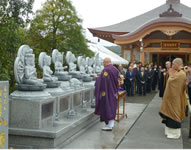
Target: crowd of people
{"type": "Point", "coordinates": [139, 79]}
{"type": "Point", "coordinates": [172, 81]}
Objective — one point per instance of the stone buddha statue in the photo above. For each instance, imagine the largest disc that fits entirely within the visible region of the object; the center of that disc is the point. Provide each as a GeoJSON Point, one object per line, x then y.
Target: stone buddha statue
{"type": "Point", "coordinates": [30, 75]}
{"type": "Point", "coordinates": [44, 63]}
{"type": "Point", "coordinates": [57, 59]}
{"type": "Point", "coordinates": [25, 71]}
{"type": "Point", "coordinates": [70, 59]}
{"type": "Point", "coordinates": [97, 64]}
{"type": "Point", "coordinates": [101, 64]}
{"type": "Point", "coordinates": [82, 66]}
{"type": "Point", "coordinates": [90, 70]}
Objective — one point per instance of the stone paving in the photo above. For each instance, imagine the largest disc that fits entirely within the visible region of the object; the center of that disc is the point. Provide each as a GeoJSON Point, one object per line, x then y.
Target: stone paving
{"type": "Point", "coordinates": [142, 129]}
{"type": "Point", "coordinates": [95, 138]}
{"type": "Point", "coordinates": [148, 132]}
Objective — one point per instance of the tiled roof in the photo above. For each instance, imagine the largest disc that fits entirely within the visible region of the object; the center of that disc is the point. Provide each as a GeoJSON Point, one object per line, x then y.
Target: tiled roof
{"type": "Point", "coordinates": [136, 22]}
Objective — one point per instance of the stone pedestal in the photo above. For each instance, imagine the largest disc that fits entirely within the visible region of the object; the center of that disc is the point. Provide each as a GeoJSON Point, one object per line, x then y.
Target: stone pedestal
{"type": "Point", "coordinates": [76, 74]}
{"type": "Point", "coordinates": [50, 118]}
{"type": "Point", "coordinates": [54, 91]}
{"type": "Point", "coordinates": [63, 105]}
{"type": "Point", "coordinates": [65, 85]}
{"type": "Point", "coordinates": [35, 125]}
{"type": "Point", "coordinates": [31, 110]}
{"type": "Point", "coordinates": [89, 95]}
{"type": "Point", "coordinates": [62, 133]}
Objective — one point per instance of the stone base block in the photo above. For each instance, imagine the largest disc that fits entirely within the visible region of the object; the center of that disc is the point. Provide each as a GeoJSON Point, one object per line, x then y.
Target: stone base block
{"type": "Point", "coordinates": [31, 110]}
{"type": "Point", "coordinates": [62, 133]}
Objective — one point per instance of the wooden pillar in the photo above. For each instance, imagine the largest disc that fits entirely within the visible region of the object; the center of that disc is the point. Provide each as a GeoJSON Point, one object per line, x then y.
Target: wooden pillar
{"type": "Point", "coordinates": [150, 57]}
{"type": "Point", "coordinates": [158, 57]}
{"type": "Point", "coordinates": [186, 59]}
{"type": "Point", "coordinates": [122, 52]}
{"type": "Point", "coordinates": [189, 58]}
{"type": "Point", "coordinates": [142, 58]}
{"type": "Point", "coordinates": [132, 56]}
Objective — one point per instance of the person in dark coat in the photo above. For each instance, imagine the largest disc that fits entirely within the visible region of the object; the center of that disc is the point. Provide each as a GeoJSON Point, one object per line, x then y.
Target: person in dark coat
{"type": "Point", "coordinates": [130, 77]}
{"type": "Point", "coordinates": [136, 72]}
{"type": "Point", "coordinates": [163, 78]}
{"type": "Point", "coordinates": [142, 78]}
{"type": "Point", "coordinates": [155, 78]}
{"type": "Point", "coordinates": [149, 78]}
{"type": "Point", "coordinates": [159, 76]}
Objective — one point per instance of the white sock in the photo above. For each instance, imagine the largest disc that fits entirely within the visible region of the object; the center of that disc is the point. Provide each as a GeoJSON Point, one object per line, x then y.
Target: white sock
{"type": "Point", "coordinates": [111, 123]}
{"type": "Point", "coordinates": [165, 130]}
{"type": "Point", "coordinates": [173, 133]}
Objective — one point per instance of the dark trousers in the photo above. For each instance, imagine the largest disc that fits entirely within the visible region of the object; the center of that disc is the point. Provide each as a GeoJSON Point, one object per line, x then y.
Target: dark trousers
{"type": "Point", "coordinates": [154, 84]}
{"type": "Point", "coordinates": [189, 93]}
{"type": "Point", "coordinates": [142, 89]}
{"type": "Point", "coordinates": [130, 89]}
{"type": "Point", "coordinates": [148, 85]}
{"type": "Point", "coordinates": [137, 86]}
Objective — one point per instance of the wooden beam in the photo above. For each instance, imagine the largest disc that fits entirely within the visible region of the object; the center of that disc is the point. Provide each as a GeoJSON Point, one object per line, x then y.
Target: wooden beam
{"type": "Point", "coordinates": [159, 50]}
{"type": "Point", "coordinates": [149, 41]}
{"type": "Point", "coordinates": [155, 27]}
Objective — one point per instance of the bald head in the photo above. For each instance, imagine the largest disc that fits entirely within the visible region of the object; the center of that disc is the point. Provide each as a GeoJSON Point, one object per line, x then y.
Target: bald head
{"type": "Point", "coordinates": [177, 63]}
{"type": "Point", "coordinates": [107, 61]}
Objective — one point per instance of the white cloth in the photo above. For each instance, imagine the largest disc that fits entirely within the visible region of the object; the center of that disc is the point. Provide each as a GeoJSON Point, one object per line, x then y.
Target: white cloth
{"type": "Point", "coordinates": [111, 123]}
{"type": "Point", "coordinates": [172, 133]}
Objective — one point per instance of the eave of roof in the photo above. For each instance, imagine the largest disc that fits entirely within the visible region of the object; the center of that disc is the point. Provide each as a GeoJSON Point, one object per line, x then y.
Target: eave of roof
{"type": "Point", "coordinates": [132, 24]}
{"type": "Point", "coordinates": [167, 21]}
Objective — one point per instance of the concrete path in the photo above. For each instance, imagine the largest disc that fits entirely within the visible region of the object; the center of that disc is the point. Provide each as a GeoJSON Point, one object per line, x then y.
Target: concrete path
{"type": "Point", "coordinates": [148, 132]}
{"type": "Point", "coordinates": [95, 138]}
{"type": "Point", "coordinates": [142, 129]}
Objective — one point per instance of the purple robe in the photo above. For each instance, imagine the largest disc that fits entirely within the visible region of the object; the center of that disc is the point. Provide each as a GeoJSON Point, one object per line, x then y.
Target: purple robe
{"type": "Point", "coordinates": [106, 90]}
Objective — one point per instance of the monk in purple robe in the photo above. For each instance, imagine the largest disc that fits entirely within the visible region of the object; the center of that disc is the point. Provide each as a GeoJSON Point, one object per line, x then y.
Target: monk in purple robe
{"type": "Point", "coordinates": [106, 90]}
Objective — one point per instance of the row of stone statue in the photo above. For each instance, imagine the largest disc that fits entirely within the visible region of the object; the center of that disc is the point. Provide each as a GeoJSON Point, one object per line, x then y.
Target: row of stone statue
{"type": "Point", "coordinates": [26, 75]}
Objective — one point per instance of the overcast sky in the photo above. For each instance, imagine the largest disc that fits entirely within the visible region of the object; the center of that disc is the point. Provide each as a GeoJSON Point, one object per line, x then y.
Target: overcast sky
{"type": "Point", "coordinates": [99, 13]}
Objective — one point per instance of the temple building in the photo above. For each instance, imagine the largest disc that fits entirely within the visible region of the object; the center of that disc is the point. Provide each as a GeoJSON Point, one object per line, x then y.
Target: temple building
{"type": "Point", "coordinates": [161, 34]}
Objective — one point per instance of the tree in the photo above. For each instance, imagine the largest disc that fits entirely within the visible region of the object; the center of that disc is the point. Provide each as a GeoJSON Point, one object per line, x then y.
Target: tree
{"type": "Point", "coordinates": [14, 16]}
{"type": "Point", "coordinates": [57, 25]}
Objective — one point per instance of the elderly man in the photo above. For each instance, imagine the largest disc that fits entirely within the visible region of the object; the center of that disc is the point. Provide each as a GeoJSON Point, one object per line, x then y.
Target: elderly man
{"type": "Point", "coordinates": [172, 107]}
{"type": "Point", "coordinates": [106, 91]}
{"type": "Point", "coordinates": [142, 79]}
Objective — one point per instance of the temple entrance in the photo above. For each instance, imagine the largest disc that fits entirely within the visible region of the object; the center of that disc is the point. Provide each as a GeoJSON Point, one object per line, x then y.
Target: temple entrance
{"type": "Point", "coordinates": [162, 58]}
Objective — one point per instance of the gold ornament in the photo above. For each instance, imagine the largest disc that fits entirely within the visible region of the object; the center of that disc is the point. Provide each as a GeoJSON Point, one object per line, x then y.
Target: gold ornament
{"type": "Point", "coordinates": [103, 94]}
{"type": "Point", "coordinates": [105, 74]}
{"type": "Point", "coordinates": [2, 139]}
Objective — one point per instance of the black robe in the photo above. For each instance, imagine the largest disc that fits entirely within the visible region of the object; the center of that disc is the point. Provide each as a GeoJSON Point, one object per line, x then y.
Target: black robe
{"type": "Point", "coordinates": [162, 84]}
